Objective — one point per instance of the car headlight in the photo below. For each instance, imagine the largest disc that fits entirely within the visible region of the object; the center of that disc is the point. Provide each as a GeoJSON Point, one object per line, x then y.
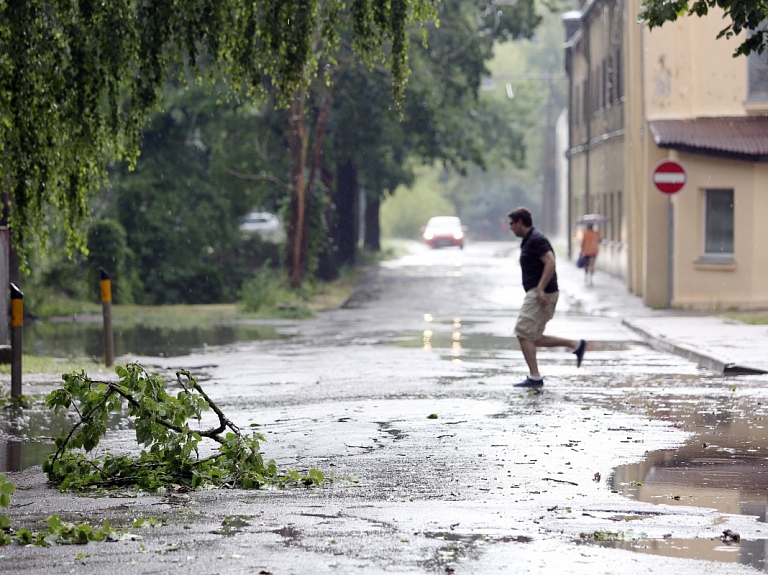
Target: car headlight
{"type": "Point", "coordinates": [458, 234]}
{"type": "Point", "coordinates": [428, 235]}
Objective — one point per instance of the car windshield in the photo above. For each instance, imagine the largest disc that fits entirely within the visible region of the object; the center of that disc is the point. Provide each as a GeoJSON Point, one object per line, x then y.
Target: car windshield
{"type": "Point", "coordinates": [446, 222]}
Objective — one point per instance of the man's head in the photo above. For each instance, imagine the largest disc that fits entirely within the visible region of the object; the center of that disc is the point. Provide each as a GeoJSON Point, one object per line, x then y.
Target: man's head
{"type": "Point", "coordinates": [520, 221]}
{"type": "Point", "coordinates": [590, 226]}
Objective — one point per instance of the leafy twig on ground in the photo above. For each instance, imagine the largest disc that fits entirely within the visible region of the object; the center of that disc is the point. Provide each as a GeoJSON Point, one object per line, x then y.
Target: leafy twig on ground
{"type": "Point", "coordinates": [170, 454]}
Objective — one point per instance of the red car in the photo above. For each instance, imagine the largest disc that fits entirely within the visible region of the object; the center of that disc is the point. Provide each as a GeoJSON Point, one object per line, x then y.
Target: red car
{"type": "Point", "coordinates": [444, 231]}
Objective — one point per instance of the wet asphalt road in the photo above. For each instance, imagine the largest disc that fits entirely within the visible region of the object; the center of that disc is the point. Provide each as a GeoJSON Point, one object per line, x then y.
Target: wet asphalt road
{"type": "Point", "coordinates": [496, 481]}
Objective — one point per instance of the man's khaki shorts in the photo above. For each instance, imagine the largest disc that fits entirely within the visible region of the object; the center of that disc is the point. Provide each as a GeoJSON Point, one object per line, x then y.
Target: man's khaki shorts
{"type": "Point", "coordinates": [533, 316]}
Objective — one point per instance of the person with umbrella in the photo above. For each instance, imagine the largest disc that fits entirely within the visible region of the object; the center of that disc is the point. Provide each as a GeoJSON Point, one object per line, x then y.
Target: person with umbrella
{"type": "Point", "coordinates": [590, 246]}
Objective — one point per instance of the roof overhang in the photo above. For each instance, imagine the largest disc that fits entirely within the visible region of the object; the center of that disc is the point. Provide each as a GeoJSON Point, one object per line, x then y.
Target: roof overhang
{"type": "Point", "coordinates": [734, 137]}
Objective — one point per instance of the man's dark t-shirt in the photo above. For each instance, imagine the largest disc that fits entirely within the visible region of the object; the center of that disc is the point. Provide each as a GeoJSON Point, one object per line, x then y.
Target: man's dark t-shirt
{"type": "Point", "coordinates": [534, 245]}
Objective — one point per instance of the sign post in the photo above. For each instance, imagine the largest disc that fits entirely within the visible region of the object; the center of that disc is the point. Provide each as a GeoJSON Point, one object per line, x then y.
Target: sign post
{"type": "Point", "coordinates": [669, 177]}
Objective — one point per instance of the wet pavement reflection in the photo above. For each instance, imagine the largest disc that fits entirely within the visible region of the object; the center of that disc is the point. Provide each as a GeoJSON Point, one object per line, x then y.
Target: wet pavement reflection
{"type": "Point", "coordinates": [724, 465]}
{"type": "Point", "coordinates": [87, 340]}
{"type": "Point", "coordinates": [26, 436]}
{"type": "Point", "coordinates": [752, 553]}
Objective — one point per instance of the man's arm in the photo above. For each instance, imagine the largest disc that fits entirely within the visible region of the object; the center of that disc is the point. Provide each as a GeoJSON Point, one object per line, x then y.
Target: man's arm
{"type": "Point", "coordinates": [548, 259]}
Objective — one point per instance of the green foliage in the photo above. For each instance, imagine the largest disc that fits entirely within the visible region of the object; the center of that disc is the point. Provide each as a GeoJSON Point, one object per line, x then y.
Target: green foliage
{"type": "Point", "coordinates": [64, 533]}
{"type": "Point", "coordinates": [265, 289]}
{"type": "Point", "coordinates": [6, 488]}
{"type": "Point", "coordinates": [170, 451]}
{"type": "Point", "coordinates": [508, 133]}
{"type": "Point", "coordinates": [78, 79]}
{"type": "Point", "coordinates": [745, 16]}
{"type": "Point", "coordinates": [181, 207]}
{"type": "Point", "coordinates": [603, 536]}
{"type": "Point", "coordinates": [403, 214]}
{"type": "Point", "coordinates": [108, 249]}
{"type": "Point", "coordinates": [58, 532]}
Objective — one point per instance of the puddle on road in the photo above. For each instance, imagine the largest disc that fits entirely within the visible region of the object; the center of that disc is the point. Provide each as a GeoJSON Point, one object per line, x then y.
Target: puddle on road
{"type": "Point", "coordinates": [456, 341]}
{"type": "Point", "coordinates": [750, 553]}
{"type": "Point", "coordinates": [26, 437]}
{"type": "Point", "coordinates": [723, 466]}
{"type": "Point", "coordinates": [87, 340]}
{"type": "Point", "coordinates": [17, 455]}
{"type": "Point", "coordinates": [461, 345]}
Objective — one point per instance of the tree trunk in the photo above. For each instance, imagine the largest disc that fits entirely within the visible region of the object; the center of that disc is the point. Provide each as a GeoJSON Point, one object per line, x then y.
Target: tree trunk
{"type": "Point", "coordinates": [372, 235]}
{"type": "Point", "coordinates": [302, 183]}
{"type": "Point", "coordinates": [348, 211]}
{"type": "Point", "coordinates": [296, 253]}
{"type": "Point", "coordinates": [328, 267]}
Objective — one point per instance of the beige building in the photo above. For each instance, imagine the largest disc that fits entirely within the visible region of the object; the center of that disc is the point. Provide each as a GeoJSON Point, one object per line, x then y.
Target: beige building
{"type": "Point", "coordinates": [638, 97]}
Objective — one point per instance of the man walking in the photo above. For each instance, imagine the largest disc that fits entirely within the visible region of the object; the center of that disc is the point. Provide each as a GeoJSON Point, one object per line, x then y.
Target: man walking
{"type": "Point", "coordinates": [537, 263]}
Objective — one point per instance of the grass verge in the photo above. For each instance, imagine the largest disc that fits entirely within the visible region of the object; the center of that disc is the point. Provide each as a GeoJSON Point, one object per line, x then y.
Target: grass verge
{"type": "Point", "coordinates": [748, 317]}
{"type": "Point", "coordinates": [294, 304]}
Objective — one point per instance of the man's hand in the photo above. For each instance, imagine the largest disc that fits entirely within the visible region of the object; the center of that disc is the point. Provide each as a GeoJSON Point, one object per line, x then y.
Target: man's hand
{"type": "Point", "coordinates": [548, 259]}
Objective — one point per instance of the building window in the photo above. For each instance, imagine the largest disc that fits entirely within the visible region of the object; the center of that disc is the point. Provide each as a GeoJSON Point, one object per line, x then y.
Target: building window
{"type": "Point", "coordinates": [757, 68]}
{"type": "Point", "coordinates": [611, 83]}
{"type": "Point", "coordinates": [718, 223]}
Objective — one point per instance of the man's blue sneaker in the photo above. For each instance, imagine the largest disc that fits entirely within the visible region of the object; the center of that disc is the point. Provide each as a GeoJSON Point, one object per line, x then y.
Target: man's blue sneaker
{"type": "Point", "coordinates": [579, 351]}
{"type": "Point", "coordinates": [530, 383]}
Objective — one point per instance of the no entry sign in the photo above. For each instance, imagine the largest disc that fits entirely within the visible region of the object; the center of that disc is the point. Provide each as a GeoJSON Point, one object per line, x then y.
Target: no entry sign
{"type": "Point", "coordinates": [669, 177]}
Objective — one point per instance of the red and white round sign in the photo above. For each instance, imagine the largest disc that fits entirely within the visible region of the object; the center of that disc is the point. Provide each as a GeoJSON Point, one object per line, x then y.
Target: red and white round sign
{"type": "Point", "coordinates": [669, 176]}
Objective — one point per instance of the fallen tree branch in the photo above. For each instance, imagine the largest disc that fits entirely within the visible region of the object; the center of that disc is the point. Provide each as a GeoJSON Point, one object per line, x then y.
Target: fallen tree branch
{"type": "Point", "coordinates": [170, 453]}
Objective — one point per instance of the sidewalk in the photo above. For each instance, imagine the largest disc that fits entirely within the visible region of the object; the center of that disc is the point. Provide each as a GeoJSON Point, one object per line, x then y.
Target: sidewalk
{"type": "Point", "coordinates": [716, 343]}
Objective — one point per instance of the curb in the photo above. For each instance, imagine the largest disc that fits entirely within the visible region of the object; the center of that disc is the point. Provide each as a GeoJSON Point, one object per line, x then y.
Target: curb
{"type": "Point", "coordinates": [661, 344]}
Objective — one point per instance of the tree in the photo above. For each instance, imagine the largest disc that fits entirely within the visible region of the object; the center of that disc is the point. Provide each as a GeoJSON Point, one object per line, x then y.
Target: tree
{"type": "Point", "coordinates": [744, 15]}
{"type": "Point", "coordinates": [513, 172]}
{"type": "Point", "coordinates": [182, 204]}
{"type": "Point", "coordinates": [78, 79]}
{"type": "Point", "coordinates": [441, 120]}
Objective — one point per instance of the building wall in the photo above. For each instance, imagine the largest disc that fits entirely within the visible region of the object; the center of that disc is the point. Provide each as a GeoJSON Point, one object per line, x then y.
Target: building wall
{"type": "Point", "coordinates": [714, 285]}
{"type": "Point", "coordinates": [679, 71]}
{"type": "Point", "coordinates": [597, 131]}
{"type": "Point", "coordinates": [688, 73]}
{"type": "Point", "coordinates": [759, 240]}
{"type": "Point", "coordinates": [635, 150]}
{"type": "Point", "coordinates": [737, 284]}
{"type": "Point", "coordinates": [691, 74]}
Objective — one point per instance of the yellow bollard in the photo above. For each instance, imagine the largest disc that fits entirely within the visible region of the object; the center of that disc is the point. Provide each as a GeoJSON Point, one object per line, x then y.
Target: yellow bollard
{"type": "Point", "coordinates": [106, 306]}
{"type": "Point", "coordinates": [17, 326]}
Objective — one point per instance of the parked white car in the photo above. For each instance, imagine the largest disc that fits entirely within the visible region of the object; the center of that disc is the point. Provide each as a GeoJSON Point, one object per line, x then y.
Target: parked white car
{"type": "Point", "coordinates": [265, 224]}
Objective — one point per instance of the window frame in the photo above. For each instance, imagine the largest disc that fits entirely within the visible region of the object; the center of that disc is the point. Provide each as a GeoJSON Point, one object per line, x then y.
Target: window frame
{"type": "Point", "coordinates": [718, 256]}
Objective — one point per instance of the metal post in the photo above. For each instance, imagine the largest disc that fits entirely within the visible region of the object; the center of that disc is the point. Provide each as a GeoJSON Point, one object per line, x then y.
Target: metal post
{"type": "Point", "coordinates": [671, 255]}
{"type": "Point", "coordinates": [106, 304]}
{"type": "Point", "coordinates": [17, 327]}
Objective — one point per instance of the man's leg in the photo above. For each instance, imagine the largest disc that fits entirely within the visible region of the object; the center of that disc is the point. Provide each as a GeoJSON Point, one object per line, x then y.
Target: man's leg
{"type": "Point", "coordinates": [528, 348]}
{"type": "Point", "coordinates": [578, 347]}
{"type": "Point", "coordinates": [552, 341]}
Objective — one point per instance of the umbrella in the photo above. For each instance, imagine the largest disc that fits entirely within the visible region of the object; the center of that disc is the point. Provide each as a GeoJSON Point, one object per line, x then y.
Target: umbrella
{"type": "Point", "coordinates": [592, 219]}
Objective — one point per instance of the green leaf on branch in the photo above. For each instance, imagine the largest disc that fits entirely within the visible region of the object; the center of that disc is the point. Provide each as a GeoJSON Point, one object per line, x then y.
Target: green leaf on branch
{"type": "Point", "coordinates": [170, 452]}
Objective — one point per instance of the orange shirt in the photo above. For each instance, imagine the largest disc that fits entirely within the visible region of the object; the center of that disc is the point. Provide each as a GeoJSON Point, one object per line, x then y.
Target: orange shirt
{"type": "Point", "coordinates": [590, 245]}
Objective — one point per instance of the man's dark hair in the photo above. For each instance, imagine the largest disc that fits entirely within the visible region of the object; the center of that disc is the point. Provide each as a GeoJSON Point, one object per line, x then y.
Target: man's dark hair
{"type": "Point", "coordinates": [521, 215]}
